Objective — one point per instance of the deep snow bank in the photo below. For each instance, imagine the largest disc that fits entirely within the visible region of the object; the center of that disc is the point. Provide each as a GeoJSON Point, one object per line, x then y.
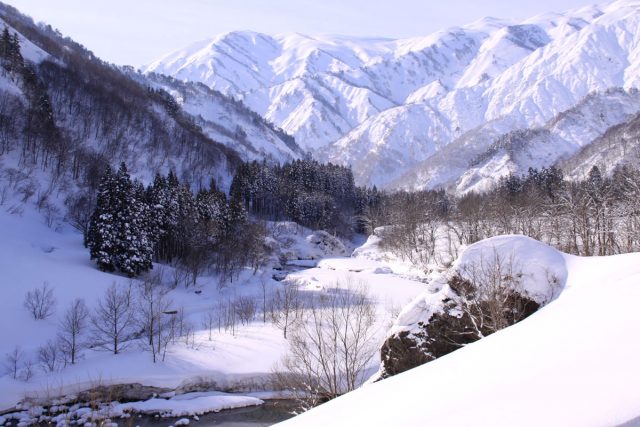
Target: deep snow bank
{"type": "Point", "coordinates": [494, 283]}
{"type": "Point", "coordinates": [574, 362]}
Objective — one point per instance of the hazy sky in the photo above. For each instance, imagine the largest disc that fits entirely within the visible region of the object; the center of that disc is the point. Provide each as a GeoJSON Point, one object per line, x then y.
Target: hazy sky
{"type": "Point", "coordinates": [135, 32]}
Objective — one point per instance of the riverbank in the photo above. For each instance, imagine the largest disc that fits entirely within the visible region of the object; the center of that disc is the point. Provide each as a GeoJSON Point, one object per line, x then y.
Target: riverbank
{"type": "Point", "coordinates": [167, 409]}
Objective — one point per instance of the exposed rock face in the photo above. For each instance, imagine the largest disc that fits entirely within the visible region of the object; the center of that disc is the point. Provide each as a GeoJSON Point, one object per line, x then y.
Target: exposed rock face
{"type": "Point", "coordinates": [493, 285]}
{"type": "Point", "coordinates": [453, 328]}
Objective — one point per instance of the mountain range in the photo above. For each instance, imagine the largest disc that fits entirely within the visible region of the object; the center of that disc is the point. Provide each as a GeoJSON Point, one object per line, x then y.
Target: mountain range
{"type": "Point", "coordinates": [455, 109]}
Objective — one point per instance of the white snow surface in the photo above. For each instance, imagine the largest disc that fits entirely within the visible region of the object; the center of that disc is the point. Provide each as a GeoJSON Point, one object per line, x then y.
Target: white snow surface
{"type": "Point", "coordinates": [31, 254]}
{"type": "Point", "coordinates": [188, 404]}
{"type": "Point", "coordinates": [542, 268]}
{"type": "Point", "coordinates": [574, 362]}
{"type": "Point", "coordinates": [387, 106]}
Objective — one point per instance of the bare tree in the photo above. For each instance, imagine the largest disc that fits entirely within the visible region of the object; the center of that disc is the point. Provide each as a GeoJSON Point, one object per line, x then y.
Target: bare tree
{"type": "Point", "coordinates": [220, 313]}
{"type": "Point", "coordinates": [27, 370]}
{"type": "Point", "coordinates": [152, 316]}
{"type": "Point", "coordinates": [179, 276]}
{"type": "Point", "coordinates": [263, 287]}
{"type": "Point", "coordinates": [12, 362]}
{"type": "Point", "coordinates": [245, 308]}
{"type": "Point", "coordinates": [230, 316]}
{"type": "Point", "coordinates": [208, 322]}
{"type": "Point", "coordinates": [332, 345]}
{"type": "Point", "coordinates": [286, 307]}
{"type": "Point", "coordinates": [72, 326]}
{"type": "Point", "coordinates": [40, 302]}
{"type": "Point", "coordinates": [113, 319]}
{"type": "Point", "coordinates": [49, 356]}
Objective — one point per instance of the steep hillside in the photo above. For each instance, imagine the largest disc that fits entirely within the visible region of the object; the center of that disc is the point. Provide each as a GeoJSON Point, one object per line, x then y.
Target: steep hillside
{"type": "Point", "coordinates": [570, 363]}
{"type": "Point", "coordinates": [473, 162]}
{"type": "Point", "coordinates": [228, 121]}
{"type": "Point", "coordinates": [65, 114]}
{"type": "Point", "coordinates": [68, 114]}
{"type": "Point", "coordinates": [620, 145]}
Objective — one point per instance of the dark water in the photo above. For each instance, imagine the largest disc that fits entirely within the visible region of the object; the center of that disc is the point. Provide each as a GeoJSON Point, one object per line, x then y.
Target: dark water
{"type": "Point", "coordinates": [271, 412]}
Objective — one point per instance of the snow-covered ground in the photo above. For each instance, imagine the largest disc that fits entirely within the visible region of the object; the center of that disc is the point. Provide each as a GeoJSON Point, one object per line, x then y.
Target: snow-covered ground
{"type": "Point", "coordinates": [31, 254]}
{"type": "Point", "coordinates": [572, 363]}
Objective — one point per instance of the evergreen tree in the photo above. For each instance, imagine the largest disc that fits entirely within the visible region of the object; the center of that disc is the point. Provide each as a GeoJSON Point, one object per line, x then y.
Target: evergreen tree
{"type": "Point", "coordinates": [101, 238]}
{"type": "Point", "coordinates": [120, 233]}
{"type": "Point", "coordinates": [15, 54]}
{"type": "Point", "coordinates": [5, 44]}
{"type": "Point", "coordinates": [135, 244]}
{"type": "Point", "coordinates": [238, 216]}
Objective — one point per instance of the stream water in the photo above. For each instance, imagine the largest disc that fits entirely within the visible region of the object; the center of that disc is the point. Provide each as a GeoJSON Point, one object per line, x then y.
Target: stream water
{"type": "Point", "coordinates": [271, 412]}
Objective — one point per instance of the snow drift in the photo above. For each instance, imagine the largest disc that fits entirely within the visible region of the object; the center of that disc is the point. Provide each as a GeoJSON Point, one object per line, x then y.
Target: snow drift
{"type": "Point", "coordinates": [574, 362]}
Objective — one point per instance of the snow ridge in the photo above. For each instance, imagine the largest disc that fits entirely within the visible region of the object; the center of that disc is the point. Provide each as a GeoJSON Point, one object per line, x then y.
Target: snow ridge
{"type": "Point", "coordinates": [387, 106]}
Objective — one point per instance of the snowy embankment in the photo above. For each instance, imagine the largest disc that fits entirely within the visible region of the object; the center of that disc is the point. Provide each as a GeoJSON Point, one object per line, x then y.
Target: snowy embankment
{"type": "Point", "coordinates": [188, 404]}
{"type": "Point", "coordinates": [242, 361]}
{"type": "Point", "coordinates": [574, 362]}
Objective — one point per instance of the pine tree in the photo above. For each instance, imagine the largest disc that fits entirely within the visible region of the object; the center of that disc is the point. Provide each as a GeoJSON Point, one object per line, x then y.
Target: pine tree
{"type": "Point", "coordinates": [120, 233]}
{"type": "Point", "coordinates": [135, 250]}
{"type": "Point", "coordinates": [15, 55]}
{"type": "Point", "coordinates": [238, 216]}
{"type": "Point", "coordinates": [101, 237]}
{"type": "Point", "coordinates": [5, 44]}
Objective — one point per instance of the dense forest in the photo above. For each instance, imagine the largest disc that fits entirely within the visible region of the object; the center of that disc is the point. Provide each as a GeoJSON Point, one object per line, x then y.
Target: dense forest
{"type": "Point", "coordinates": [595, 216]}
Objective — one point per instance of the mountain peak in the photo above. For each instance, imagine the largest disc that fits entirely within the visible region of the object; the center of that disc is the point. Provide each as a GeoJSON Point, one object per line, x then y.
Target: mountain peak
{"type": "Point", "coordinates": [386, 106]}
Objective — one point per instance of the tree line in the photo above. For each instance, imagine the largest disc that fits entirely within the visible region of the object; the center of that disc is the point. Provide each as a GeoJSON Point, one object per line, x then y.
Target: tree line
{"type": "Point", "coordinates": [597, 215]}
{"type": "Point", "coordinates": [133, 225]}
{"type": "Point", "coordinates": [316, 195]}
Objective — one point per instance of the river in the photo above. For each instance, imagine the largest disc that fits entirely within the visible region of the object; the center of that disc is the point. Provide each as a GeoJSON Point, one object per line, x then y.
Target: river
{"type": "Point", "coordinates": [271, 412]}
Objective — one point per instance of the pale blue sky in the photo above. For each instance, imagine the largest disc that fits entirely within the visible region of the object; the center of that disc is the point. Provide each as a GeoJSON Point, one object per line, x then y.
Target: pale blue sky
{"type": "Point", "coordinates": [136, 32]}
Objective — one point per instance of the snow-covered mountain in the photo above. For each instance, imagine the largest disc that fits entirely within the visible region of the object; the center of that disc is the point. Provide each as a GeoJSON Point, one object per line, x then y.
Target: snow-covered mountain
{"type": "Point", "coordinates": [75, 113]}
{"type": "Point", "coordinates": [390, 108]}
{"type": "Point", "coordinates": [228, 121]}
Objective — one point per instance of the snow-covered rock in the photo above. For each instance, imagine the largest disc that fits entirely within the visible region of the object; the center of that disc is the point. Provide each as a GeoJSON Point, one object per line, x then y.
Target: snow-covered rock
{"type": "Point", "coordinates": [290, 242]}
{"type": "Point", "coordinates": [494, 283]}
{"type": "Point", "coordinates": [540, 269]}
{"type": "Point", "coordinates": [570, 363]}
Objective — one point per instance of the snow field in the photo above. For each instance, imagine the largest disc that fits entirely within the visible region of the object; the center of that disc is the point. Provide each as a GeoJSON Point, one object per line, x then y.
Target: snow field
{"type": "Point", "coordinates": [31, 254]}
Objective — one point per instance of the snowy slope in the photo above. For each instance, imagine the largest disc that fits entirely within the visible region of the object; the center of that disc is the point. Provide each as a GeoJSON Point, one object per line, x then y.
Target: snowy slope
{"type": "Point", "coordinates": [386, 106]}
{"type": "Point", "coordinates": [29, 51]}
{"type": "Point", "coordinates": [620, 145]}
{"type": "Point", "coordinates": [571, 363]}
{"type": "Point", "coordinates": [31, 254]}
{"type": "Point", "coordinates": [474, 161]}
{"type": "Point", "coordinates": [228, 121]}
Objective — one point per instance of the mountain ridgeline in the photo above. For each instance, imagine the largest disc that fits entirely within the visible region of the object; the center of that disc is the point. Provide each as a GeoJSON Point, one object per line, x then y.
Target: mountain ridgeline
{"type": "Point", "coordinates": [418, 113]}
{"type": "Point", "coordinates": [68, 114]}
{"type": "Point", "coordinates": [65, 115]}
